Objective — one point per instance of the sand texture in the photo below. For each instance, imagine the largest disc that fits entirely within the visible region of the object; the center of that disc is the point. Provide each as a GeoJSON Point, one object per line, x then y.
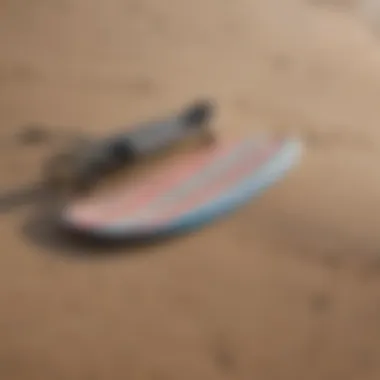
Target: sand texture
{"type": "Point", "coordinates": [288, 288]}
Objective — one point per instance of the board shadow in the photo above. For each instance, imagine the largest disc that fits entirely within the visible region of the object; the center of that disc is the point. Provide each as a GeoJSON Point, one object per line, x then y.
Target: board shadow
{"type": "Point", "coordinates": [42, 229]}
{"type": "Point", "coordinates": [14, 199]}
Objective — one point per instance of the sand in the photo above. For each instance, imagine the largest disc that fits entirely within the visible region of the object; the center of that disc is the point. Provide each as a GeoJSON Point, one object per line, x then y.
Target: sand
{"type": "Point", "coordinates": [286, 288]}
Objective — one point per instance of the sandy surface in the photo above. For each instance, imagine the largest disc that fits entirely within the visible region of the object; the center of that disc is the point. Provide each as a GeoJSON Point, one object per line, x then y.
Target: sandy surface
{"type": "Point", "coordinates": [287, 288]}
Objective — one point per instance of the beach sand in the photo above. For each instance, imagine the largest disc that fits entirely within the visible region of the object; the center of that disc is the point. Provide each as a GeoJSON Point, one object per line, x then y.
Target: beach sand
{"type": "Point", "coordinates": [287, 287]}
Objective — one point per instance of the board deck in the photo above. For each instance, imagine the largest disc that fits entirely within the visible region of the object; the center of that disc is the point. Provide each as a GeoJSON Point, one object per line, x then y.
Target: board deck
{"type": "Point", "coordinates": [195, 190]}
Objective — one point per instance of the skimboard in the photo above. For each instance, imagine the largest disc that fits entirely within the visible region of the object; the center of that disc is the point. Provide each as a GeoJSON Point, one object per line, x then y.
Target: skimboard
{"type": "Point", "coordinates": [195, 190]}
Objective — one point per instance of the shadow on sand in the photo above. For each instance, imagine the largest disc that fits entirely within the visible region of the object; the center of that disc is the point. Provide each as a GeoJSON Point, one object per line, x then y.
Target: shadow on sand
{"type": "Point", "coordinates": [19, 197]}
{"type": "Point", "coordinates": [42, 228]}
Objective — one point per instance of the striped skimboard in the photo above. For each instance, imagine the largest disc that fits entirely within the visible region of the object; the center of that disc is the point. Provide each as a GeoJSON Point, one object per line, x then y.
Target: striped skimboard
{"type": "Point", "coordinates": [195, 190]}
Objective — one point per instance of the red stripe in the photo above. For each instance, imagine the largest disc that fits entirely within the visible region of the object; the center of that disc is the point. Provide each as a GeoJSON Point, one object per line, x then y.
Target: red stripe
{"type": "Point", "coordinates": [145, 191]}
{"type": "Point", "coordinates": [230, 178]}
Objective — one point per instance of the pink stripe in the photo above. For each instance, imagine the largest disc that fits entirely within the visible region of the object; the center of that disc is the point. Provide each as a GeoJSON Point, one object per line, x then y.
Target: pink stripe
{"type": "Point", "coordinates": [146, 191]}
{"type": "Point", "coordinates": [202, 197]}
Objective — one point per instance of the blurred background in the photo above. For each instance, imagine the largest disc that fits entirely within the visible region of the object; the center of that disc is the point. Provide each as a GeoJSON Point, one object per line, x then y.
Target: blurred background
{"type": "Point", "coordinates": [288, 287]}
